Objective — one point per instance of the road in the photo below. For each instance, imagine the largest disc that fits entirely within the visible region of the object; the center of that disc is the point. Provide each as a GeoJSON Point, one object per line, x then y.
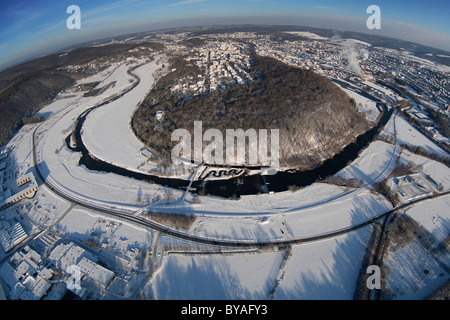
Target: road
{"type": "Point", "coordinates": [218, 242]}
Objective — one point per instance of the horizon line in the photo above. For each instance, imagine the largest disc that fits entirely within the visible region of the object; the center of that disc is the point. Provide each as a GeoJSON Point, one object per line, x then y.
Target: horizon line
{"type": "Point", "coordinates": [88, 43]}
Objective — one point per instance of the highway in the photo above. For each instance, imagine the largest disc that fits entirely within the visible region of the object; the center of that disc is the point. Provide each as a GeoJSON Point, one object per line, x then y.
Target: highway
{"type": "Point", "coordinates": [210, 241]}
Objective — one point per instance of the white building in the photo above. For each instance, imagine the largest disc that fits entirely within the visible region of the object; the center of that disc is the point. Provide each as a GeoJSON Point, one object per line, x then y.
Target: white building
{"type": "Point", "coordinates": [95, 272]}
{"type": "Point", "coordinates": [24, 276]}
{"type": "Point", "coordinates": [11, 234]}
{"type": "Point", "coordinates": [66, 255]}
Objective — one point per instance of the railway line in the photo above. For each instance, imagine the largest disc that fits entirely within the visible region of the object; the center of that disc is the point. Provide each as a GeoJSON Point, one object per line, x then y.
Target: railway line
{"type": "Point", "coordinates": [210, 241]}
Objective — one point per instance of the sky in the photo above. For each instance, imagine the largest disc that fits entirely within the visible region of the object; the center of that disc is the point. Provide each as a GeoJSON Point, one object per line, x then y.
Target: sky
{"type": "Point", "coordinates": [33, 28]}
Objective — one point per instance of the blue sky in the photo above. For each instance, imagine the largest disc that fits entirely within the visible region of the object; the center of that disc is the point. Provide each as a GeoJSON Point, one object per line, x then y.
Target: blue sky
{"type": "Point", "coordinates": [32, 28]}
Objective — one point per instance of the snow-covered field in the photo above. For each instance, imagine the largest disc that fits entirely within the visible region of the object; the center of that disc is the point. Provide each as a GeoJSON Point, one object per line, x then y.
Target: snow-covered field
{"type": "Point", "coordinates": [418, 268]}
{"type": "Point", "coordinates": [81, 224]}
{"type": "Point", "coordinates": [291, 215]}
{"type": "Point", "coordinates": [325, 269]}
{"type": "Point", "coordinates": [434, 216]}
{"type": "Point", "coordinates": [436, 170]}
{"type": "Point", "coordinates": [215, 276]}
{"type": "Point", "coordinates": [373, 165]}
{"type": "Point", "coordinates": [107, 131]}
{"type": "Point", "coordinates": [407, 134]}
{"type": "Point", "coordinates": [307, 34]}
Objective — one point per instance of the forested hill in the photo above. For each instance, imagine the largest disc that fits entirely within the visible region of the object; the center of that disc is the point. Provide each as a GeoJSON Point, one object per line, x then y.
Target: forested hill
{"type": "Point", "coordinates": [316, 118]}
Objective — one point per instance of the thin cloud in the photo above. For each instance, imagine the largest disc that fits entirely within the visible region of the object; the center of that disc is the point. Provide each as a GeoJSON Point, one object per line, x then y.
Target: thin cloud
{"type": "Point", "coordinates": [182, 3]}
{"type": "Point", "coordinates": [324, 8]}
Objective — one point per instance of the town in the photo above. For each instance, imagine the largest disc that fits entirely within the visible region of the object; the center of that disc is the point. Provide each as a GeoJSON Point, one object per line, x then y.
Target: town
{"type": "Point", "coordinates": [391, 75]}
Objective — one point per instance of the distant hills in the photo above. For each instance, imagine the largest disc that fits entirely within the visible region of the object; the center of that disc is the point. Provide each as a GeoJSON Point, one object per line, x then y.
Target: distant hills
{"type": "Point", "coordinates": [26, 88]}
{"type": "Point", "coordinates": [426, 52]}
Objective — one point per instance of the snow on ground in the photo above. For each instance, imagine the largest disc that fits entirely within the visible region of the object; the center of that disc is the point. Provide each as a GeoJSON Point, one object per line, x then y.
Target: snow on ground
{"type": "Point", "coordinates": [378, 87]}
{"type": "Point", "coordinates": [104, 189]}
{"type": "Point", "coordinates": [374, 164]}
{"type": "Point", "coordinates": [413, 273]}
{"type": "Point", "coordinates": [215, 276]}
{"type": "Point", "coordinates": [417, 262]}
{"type": "Point", "coordinates": [429, 64]}
{"type": "Point", "coordinates": [73, 100]}
{"type": "Point", "coordinates": [315, 210]}
{"type": "Point", "coordinates": [115, 73]}
{"type": "Point", "coordinates": [366, 106]}
{"type": "Point", "coordinates": [21, 145]}
{"type": "Point", "coordinates": [81, 224]}
{"type": "Point", "coordinates": [307, 34]}
{"type": "Point", "coordinates": [60, 166]}
{"type": "Point", "coordinates": [47, 208]}
{"type": "Point", "coordinates": [324, 270]}
{"type": "Point", "coordinates": [436, 170]}
{"type": "Point", "coordinates": [411, 186]}
{"type": "Point", "coordinates": [107, 131]}
{"type": "Point", "coordinates": [350, 42]}
{"type": "Point", "coordinates": [415, 269]}
{"type": "Point", "coordinates": [434, 216]}
{"type": "Point", "coordinates": [44, 208]}
{"type": "Point", "coordinates": [59, 104]}
{"type": "Point", "coordinates": [407, 134]}
{"type": "Point", "coordinates": [308, 212]}
{"type": "Point", "coordinates": [99, 76]}
{"type": "Point", "coordinates": [353, 209]}
{"type": "Point", "coordinates": [302, 214]}
{"type": "Point", "coordinates": [118, 79]}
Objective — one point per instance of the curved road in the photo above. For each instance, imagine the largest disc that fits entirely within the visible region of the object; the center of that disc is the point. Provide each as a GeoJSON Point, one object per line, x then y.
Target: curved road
{"type": "Point", "coordinates": [228, 243]}
{"type": "Point", "coordinates": [192, 238]}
